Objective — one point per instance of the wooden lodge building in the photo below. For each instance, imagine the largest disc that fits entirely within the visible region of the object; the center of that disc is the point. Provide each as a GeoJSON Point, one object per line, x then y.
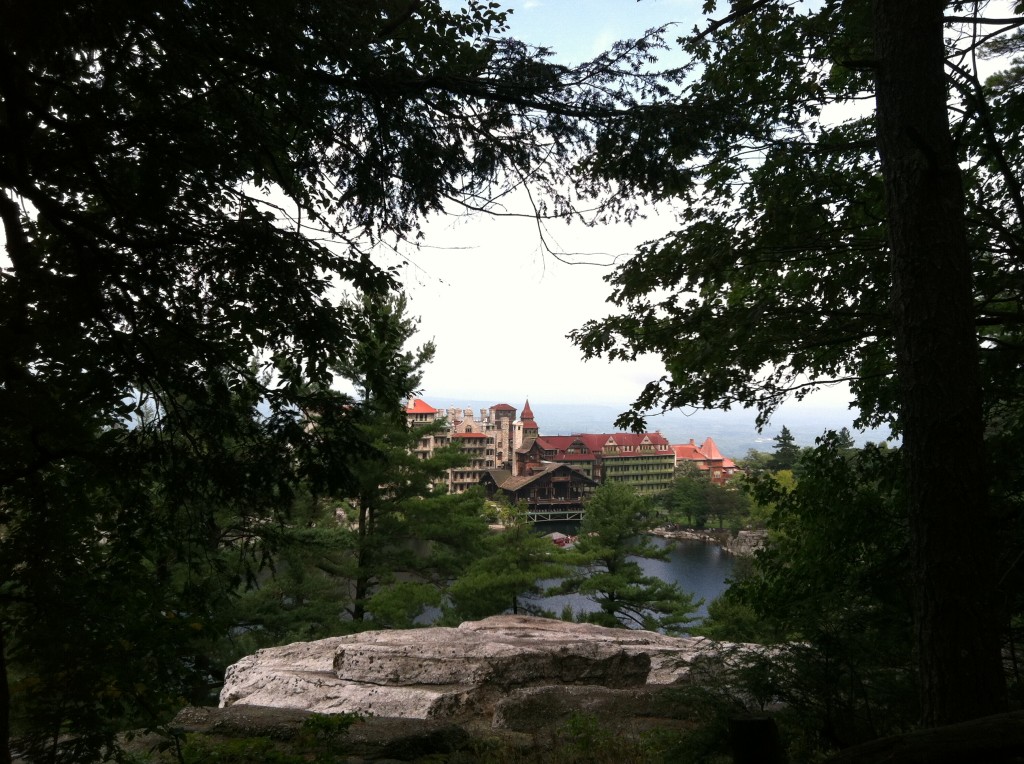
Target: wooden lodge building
{"type": "Point", "coordinates": [550, 491]}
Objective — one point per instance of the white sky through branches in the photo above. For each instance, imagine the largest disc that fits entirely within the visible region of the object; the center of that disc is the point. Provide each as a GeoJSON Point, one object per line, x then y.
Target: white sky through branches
{"type": "Point", "coordinates": [495, 302]}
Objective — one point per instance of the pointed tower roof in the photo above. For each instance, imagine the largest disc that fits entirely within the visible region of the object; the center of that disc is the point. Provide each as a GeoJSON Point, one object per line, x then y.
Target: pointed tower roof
{"type": "Point", "coordinates": [528, 423]}
{"type": "Point", "coordinates": [527, 411]}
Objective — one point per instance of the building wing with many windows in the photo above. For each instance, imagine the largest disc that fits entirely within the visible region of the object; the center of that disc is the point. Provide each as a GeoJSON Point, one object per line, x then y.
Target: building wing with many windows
{"type": "Point", "coordinates": [497, 440]}
{"type": "Point", "coordinates": [644, 460]}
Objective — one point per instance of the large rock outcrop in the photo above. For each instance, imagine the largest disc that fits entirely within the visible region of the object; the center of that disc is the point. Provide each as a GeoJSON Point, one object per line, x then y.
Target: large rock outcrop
{"type": "Point", "coordinates": [456, 673]}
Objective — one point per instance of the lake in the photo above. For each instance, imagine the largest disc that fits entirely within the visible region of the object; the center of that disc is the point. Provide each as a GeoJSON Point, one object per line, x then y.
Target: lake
{"type": "Point", "coordinates": [698, 568]}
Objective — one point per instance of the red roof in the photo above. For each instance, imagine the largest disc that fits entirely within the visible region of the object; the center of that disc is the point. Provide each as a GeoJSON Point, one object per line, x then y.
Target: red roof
{"type": "Point", "coordinates": [598, 442]}
{"type": "Point", "coordinates": [706, 452]}
{"type": "Point", "coordinates": [419, 406]}
{"type": "Point", "coordinates": [502, 407]}
{"type": "Point", "coordinates": [710, 449]}
{"type": "Point", "coordinates": [688, 451]}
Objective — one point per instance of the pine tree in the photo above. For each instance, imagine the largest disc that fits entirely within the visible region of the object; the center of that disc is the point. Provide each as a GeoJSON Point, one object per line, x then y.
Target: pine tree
{"type": "Point", "coordinates": [611, 534]}
{"type": "Point", "coordinates": [411, 537]}
{"type": "Point", "coordinates": [786, 451]}
{"type": "Point", "coordinates": [513, 563]}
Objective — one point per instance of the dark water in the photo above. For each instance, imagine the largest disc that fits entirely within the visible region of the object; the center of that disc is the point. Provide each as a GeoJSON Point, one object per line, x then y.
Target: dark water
{"type": "Point", "coordinates": [698, 568]}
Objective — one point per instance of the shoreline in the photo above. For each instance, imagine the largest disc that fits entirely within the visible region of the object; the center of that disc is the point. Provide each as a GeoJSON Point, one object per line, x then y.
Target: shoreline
{"type": "Point", "coordinates": [744, 544]}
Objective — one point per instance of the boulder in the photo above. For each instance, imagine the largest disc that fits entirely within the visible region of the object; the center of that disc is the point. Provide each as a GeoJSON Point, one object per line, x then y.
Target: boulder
{"type": "Point", "coordinates": [747, 543]}
{"type": "Point", "coordinates": [535, 708]}
{"type": "Point", "coordinates": [463, 672]}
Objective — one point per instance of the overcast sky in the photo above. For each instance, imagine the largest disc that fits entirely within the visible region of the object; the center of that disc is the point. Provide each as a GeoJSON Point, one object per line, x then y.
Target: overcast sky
{"type": "Point", "coordinates": [496, 304]}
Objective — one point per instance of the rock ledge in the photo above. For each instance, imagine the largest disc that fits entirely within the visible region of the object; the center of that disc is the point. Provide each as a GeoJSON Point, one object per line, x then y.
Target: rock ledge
{"type": "Point", "coordinates": [459, 673]}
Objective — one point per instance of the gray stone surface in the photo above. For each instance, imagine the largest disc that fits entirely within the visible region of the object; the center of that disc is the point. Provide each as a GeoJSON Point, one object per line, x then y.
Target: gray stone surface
{"type": "Point", "coordinates": [454, 672]}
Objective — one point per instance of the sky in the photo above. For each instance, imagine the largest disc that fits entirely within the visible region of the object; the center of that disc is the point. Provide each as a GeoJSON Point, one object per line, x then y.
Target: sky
{"type": "Point", "coordinates": [495, 303]}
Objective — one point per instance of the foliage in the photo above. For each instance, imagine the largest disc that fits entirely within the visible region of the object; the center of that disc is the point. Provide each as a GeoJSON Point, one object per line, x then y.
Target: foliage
{"type": "Point", "coordinates": [511, 564]}
{"type": "Point", "coordinates": [782, 244]}
{"type": "Point", "coordinates": [685, 501]}
{"type": "Point", "coordinates": [819, 243]}
{"type": "Point", "coordinates": [185, 190]}
{"type": "Point", "coordinates": [696, 500]}
{"type": "Point", "coordinates": [612, 531]}
{"type": "Point", "coordinates": [786, 451]}
{"type": "Point", "coordinates": [382, 538]}
{"type": "Point", "coordinates": [832, 590]}
{"type": "Point", "coordinates": [329, 727]}
{"type": "Point", "coordinates": [320, 740]}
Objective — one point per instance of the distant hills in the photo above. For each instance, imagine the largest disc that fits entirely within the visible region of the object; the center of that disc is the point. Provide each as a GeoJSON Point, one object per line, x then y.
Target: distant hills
{"type": "Point", "coordinates": [733, 431]}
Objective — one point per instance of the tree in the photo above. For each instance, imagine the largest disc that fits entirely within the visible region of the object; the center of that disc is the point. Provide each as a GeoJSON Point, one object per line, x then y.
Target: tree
{"type": "Point", "coordinates": [786, 450]}
{"type": "Point", "coordinates": [832, 591]}
{"type": "Point", "coordinates": [513, 562]}
{"type": "Point", "coordinates": [685, 499]}
{"type": "Point", "coordinates": [933, 322]}
{"type": "Point", "coordinates": [184, 187]}
{"type": "Point", "coordinates": [845, 439]}
{"type": "Point", "coordinates": [411, 537]}
{"type": "Point", "coordinates": [697, 499]}
{"type": "Point", "coordinates": [725, 503]}
{"type": "Point", "coordinates": [789, 215]}
{"type": "Point", "coordinates": [612, 532]}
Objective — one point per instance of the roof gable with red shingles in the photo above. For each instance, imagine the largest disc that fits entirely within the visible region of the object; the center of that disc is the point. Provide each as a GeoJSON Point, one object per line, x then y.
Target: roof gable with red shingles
{"type": "Point", "coordinates": [688, 451]}
{"type": "Point", "coordinates": [710, 449]}
{"type": "Point", "coordinates": [419, 406]}
{"type": "Point", "coordinates": [706, 452]}
{"type": "Point", "coordinates": [626, 443]}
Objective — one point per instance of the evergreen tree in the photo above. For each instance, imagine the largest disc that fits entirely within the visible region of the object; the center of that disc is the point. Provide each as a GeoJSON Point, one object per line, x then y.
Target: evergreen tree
{"type": "Point", "coordinates": [411, 537]}
{"type": "Point", "coordinates": [786, 451]}
{"type": "Point", "coordinates": [513, 562]}
{"type": "Point", "coordinates": [612, 532]}
{"type": "Point", "coordinates": [844, 440]}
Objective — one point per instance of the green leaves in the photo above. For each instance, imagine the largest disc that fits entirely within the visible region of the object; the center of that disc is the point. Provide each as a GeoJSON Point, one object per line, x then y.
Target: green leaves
{"type": "Point", "coordinates": [777, 275]}
{"type": "Point", "coordinates": [184, 190]}
{"type": "Point", "coordinates": [834, 585]}
{"type": "Point", "coordinates": [612, 531]}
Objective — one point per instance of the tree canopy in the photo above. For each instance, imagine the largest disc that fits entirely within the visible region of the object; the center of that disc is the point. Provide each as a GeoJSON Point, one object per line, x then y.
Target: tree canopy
{"type": "Point", "coordinates": [188, 191]}
{"type": "Point", "coordinates": [818, 241]}
{"type": "Point", "coordinates": [612, 536]}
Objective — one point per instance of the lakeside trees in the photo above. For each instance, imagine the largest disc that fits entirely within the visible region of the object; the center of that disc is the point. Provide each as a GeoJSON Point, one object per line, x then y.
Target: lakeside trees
{"type": "Point", "coordinates": [821, 247]}
{"type": "Point", "coordinates": [613, 530]}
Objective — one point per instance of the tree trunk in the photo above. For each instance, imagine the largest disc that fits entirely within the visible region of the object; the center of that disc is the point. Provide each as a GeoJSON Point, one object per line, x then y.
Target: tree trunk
{"type": "Point", "coordinates": [5, 704]}
{"type": "Point", "coordinates": [362, 583]}
{"type": "Point", "coordinates": [952, 540]}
